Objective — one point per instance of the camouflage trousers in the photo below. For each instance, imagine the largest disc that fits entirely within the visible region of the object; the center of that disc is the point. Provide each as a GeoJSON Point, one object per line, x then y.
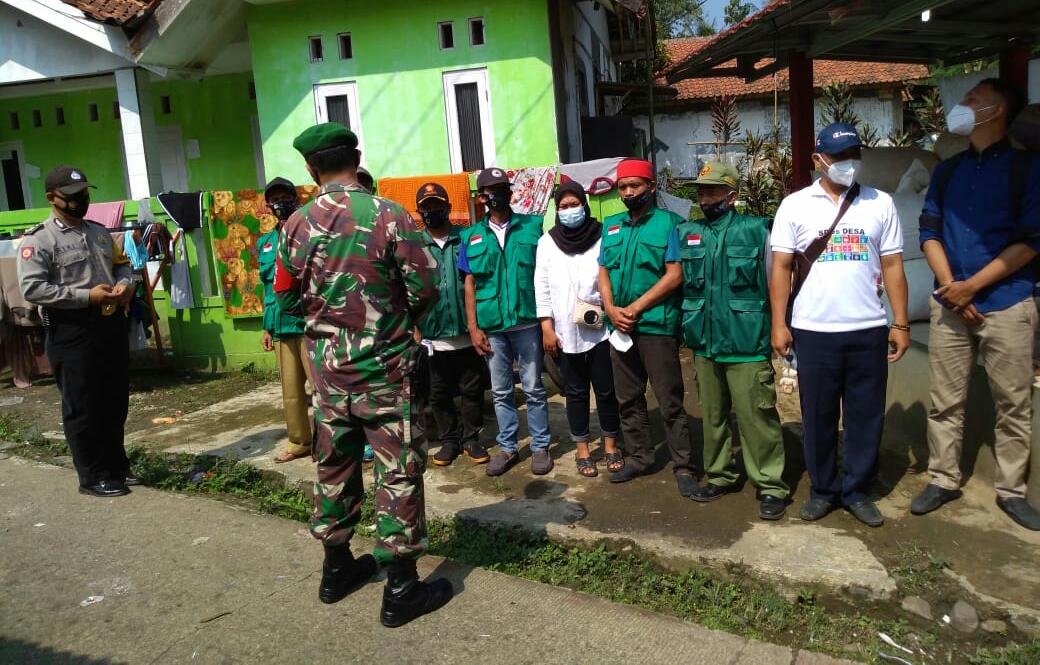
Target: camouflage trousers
{"type": "Point", "coordinates": [383, 418]}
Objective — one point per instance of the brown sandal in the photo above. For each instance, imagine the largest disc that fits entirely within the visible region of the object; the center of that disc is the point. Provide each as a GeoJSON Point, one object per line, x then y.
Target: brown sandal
{"type": "Point", "coordinates": [587, 467]}
{"type": "Point", "coordinates": [286, 456]}
{"type": "Point", "coordinates": [615, 461]}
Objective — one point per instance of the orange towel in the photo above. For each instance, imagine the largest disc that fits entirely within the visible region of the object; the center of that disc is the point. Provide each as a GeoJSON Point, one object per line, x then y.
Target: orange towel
{"type": "Point", "coordinates": [402, 190]}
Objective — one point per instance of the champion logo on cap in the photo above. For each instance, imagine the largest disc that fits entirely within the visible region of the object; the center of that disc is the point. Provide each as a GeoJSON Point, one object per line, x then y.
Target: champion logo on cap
{"type": "Point", "coordinates": [614, 229]}
{"type": "Point", "coordinates": [840, 134]}
{"type": "Point", "coordinates": [476, 240]}
{"type": "Point", "coordinates": [75, 175]}
{"type": "Point", "coordinates": [693, 239]}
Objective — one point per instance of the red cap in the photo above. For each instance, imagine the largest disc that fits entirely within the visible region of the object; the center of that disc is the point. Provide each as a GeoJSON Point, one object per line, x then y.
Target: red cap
{"type": "Point", "coordinates": [635, 168]}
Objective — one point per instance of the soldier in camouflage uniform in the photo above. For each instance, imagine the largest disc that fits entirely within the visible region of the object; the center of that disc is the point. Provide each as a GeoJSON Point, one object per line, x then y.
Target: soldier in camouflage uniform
{"type": "Point", "coordinates": [357, 269]}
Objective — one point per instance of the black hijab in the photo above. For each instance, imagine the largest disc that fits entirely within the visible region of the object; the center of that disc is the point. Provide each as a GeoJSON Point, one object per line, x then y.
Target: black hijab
{"type": "Point", "coordinates": [579, 239]}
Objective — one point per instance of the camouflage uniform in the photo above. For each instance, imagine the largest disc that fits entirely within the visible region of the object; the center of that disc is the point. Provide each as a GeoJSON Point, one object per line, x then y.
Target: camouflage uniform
{"type": "Point", "coordinates": [357, 269]}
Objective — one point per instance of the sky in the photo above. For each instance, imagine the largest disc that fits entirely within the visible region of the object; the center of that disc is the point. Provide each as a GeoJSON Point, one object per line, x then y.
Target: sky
{"type": "Point", "coordinates": [713, 10]}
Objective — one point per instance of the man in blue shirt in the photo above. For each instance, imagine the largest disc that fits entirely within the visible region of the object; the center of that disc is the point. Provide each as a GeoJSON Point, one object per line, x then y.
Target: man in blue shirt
{"type": "Point", "coordinates": [979, 241]}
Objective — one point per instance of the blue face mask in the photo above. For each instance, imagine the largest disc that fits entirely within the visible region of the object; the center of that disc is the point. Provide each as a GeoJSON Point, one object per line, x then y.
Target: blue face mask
{"type": "Point", "coordinates": [572, 217]}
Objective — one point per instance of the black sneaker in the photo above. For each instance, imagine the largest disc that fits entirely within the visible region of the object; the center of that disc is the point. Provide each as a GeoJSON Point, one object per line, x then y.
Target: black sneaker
{"type": "Point", "coordinates": [710, 492]}
{"type": "Point", "coordinates": [815, 509]}
{"type": "Point", "coordinates": [105, 489]}
{"type": "Point", "coordinates": [476, 453]}
{"type": "Point", "coordinates": [771, 507]}
{"type": "Point", "coordinates": [687, 484]}
{"type": "Point", "coordinates": [932, 498]}
{"type": "Point", "coordinates": [1020, 511]}
{"type": "Point", "coordinates": [447, 454]}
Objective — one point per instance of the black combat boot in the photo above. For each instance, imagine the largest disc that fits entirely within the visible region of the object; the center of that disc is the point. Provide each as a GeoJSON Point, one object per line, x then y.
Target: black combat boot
{"type": "Point", "coordinates": [342, 573]}
{"type": "Point", "coordinates": [406, 598]}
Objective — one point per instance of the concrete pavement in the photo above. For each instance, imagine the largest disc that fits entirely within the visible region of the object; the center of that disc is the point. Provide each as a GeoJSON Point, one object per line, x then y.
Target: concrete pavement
{"type": "Point", "coordinates": [191, 579]}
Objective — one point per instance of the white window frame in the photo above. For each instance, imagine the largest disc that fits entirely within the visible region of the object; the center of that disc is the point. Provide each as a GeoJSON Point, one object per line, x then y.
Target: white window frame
{"type": "Point", "coordinates": [487, 127]}
{"type": "Point", "coordinates": [16, 146]}
{"type": "Point", "coordinates": [323, 91]}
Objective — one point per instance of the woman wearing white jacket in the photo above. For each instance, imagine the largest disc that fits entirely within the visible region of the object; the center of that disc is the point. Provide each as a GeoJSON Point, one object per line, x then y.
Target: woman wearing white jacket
{"type": "Point", "coordinates": [573, 331]}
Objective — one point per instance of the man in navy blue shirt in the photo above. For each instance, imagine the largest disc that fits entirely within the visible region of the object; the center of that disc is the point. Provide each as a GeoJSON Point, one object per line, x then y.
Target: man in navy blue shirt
{"type": "Point", "coordinates": [979, 232]}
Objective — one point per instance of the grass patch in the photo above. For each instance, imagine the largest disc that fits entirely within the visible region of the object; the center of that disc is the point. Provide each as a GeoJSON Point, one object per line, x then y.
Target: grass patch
{"type": "Point", "coordinates": [1013, 654]}
{"type": "Point", "coordinates": [918, 569]}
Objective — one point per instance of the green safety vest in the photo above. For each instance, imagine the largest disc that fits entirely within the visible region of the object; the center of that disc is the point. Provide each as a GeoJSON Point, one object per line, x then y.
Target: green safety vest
{"type": "Point", "coordinates": [448, 316]}
{"type": "Point", "coordinates": [504, 279]}
{"type": "Point", "coordinates": [725, 306]}
{"type": "Point", "coordinates": [277, 322]}
{"type": "Point", "coordinates": [633, 254]}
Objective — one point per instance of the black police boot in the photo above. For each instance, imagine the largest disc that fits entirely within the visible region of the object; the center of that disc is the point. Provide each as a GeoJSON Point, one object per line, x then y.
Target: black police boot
{"type": "Point", "coordinates": [406, 598]}
{"type": "Point", "coordinates": [342, 573]}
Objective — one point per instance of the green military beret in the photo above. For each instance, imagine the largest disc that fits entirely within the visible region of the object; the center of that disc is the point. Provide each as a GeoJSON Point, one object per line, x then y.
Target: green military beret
{"type": "Point", "coordinates": [325, 135]}
{"type": "Point", "coordinates": [718, 173]}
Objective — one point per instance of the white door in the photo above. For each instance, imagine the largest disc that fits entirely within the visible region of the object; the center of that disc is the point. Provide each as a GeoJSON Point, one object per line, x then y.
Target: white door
{"type": "Point", "coordinates": [338, 102]}
{"type": "Point", "coordinates": [467, 107]}
{"type": "Point", "coordinates": [171, 160]}
{"type": "Point", "coordinates": [14, 186]}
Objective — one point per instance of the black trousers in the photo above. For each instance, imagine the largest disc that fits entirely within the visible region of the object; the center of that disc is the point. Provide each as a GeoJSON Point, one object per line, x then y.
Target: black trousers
{"type": "Point", "coordinates": [836, 369]}
{"type": "Point", "coordinates": [653, 357]}
{"type": "Point", "coordinates": [450, 373]}
{"type": "Point", "coordinates": [579, 370]}
{"type": "Point", "coordinates": [89, 355]}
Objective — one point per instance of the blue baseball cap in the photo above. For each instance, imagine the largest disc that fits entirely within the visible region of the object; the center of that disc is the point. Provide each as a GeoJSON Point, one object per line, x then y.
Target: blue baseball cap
{"type": "Point", "coordinates": [837, 137]}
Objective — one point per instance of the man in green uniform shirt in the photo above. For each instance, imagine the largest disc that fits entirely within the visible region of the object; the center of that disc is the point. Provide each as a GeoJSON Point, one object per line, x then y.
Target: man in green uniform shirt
{"type": "Point", "coordinates": [639, 279]}
{"type": "Point", "coordinates": [726, 322]}
{"type": "Point", "coordinates": [283, 332]}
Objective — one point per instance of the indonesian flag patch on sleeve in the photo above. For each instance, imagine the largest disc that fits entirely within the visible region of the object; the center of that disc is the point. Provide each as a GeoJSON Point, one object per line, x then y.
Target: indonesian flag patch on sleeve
{"type": "Point", "coordinates": [27, 253]}
{"type": "Point", "coordinates": [693, 239]}
{"type": "Point", "coordinates": [476, 240]}
{"type": "Point", "coordinates": [614, 229]}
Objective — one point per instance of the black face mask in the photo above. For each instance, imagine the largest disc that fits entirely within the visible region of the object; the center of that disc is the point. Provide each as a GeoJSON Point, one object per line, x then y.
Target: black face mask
{"type": "Point", "coordinates": [499, 201]}
{"type": "Point", "coordinates": [713, 211]}
{"type": "Point", "coordinates": [434, 219]}
{"type": "Point", "coordinates": [76, 204]}
{"type": "Point", "coordinates": [637, 202]}
{"type": "Point", "coordinates": [283, 209]}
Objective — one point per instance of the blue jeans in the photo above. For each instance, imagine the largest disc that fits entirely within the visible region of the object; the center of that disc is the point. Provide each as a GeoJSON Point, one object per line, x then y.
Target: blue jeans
{"type": "Point", "coordinates": [524, 346]}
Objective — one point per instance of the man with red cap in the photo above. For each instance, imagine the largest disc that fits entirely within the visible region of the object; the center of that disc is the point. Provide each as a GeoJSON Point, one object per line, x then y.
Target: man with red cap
{"type": "Point", "coordinates": [639, 279]}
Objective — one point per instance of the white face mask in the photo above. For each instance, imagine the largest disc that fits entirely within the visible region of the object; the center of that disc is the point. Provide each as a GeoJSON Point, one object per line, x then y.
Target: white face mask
{"type": "Point", "coordinates": [961, 120]}
{"type": "Point", "coordinates": [844, 172]}
{"type": "Point", "coordinates": [572, 217]}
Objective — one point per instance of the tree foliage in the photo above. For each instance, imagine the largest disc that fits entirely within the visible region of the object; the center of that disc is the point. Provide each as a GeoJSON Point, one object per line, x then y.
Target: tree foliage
{"type": "Point", "coordinates": [679, 18]}
{"type": "Point", "coordinates": [737, 10]}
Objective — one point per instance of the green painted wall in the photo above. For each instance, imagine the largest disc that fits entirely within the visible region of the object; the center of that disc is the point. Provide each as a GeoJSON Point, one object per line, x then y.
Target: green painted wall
{"type": "Point", "coordinates": [398, 66]}
{"type": "Point", "coordinates": [216, 111]}
{"type": "Point", "coordinates": [92, 146]}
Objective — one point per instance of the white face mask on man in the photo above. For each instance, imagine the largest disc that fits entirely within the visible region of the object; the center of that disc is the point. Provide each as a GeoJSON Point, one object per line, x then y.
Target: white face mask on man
{"type": "Point", "coordinates": [844, 172]}
{"type": "Point", "coordinates": [961, 119]}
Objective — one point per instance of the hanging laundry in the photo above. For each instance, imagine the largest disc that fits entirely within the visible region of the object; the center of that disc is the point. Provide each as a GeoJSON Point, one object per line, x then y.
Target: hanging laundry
{"type": "Point", "coordinates": [185, 209]}
{"type": "Point", "coordinates": [532, 189]}
{"type": "Point", "coordinates": [134, 250]}
{"type": "Point", "coordinates": [180, 278]}
{"type": "Point", "coordinates": [144, 212]}
{"type": "Point", "coordinates": [237, 220]}
{"type": "Point", "coordinates": [596, 176]}
{"type": "Point", "coordinates": [20, 321]}
{"type": "Point", "coordinates": [403, 190]}
{"type": "Point", "coordinates": [681, 207]}
{"type": "Point", "coordinates": [108, 215]}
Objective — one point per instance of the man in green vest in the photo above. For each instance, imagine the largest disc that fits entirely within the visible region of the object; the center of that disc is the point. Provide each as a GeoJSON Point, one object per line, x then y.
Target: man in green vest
{"type": "Point", "coordinates": [453, 363]}
{"type": "Point", "coordinates": [497, 256]}
{"type": "Point", "coordinates": [726, 323]}
{"type": "Point", "coordinates": [283, 332]}
{"type": "Point", "coordinates": [639, 278]}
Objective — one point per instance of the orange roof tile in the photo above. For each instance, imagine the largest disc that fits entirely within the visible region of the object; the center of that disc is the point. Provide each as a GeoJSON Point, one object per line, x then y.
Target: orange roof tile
{"type": "Point", "coordinates": [856, 74]}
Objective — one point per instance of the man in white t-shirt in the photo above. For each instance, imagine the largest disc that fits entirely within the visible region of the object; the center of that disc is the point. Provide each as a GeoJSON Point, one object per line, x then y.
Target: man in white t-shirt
{"type": "Point", "coordinates": [839, 331]}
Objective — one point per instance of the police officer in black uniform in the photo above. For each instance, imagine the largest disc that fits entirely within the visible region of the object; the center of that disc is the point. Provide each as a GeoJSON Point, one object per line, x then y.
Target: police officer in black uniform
{"type": "Point", "coordinates": [72, 268]}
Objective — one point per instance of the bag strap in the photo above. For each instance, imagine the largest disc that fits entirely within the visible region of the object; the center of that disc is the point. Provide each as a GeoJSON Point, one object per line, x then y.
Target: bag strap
{"type": "Point", "coordinates": [816, 247]}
